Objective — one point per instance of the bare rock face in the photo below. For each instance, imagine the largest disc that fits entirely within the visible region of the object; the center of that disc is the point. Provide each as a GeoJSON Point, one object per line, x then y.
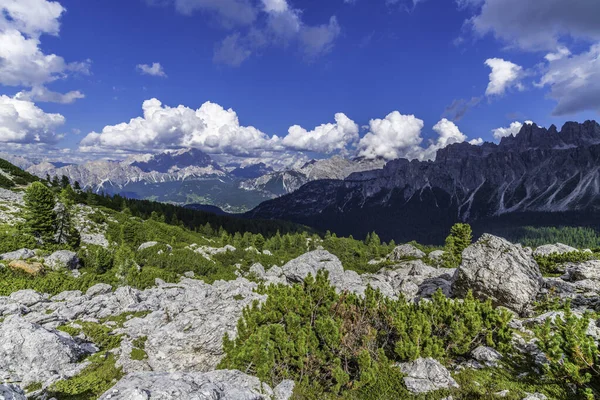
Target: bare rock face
{"type": "Point", "coordinates": [557, 248]}
{"type": "Point", "coordinates": [30, 353]}
{"type": "Point", "coordinates": [426, 375]}
{"type": "Point", "coordinates": [22, 254]}
{"type": "Point", "coordinates": [11, 392]}
{"type": "Point", "coordinates": [405, 251]}
{"type": "Point", "coordinates": [310, 263]}
{"type": "Point", "coordinates": [584, 270]}
{"type": "Point", "coordinates": [62, 259]}
{"type": "Point", "coordinates": [497, 269]}
{"type": "Point", "coordinates": [214, 385]}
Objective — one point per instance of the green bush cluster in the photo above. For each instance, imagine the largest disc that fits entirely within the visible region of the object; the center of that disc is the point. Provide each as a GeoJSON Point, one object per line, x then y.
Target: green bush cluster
{"type": "Point", "coordinates": [551, 264]}
{"type": "Point", "coordinates": [341, 342]}
{"type": "Point", "coordinates": [572, 355]}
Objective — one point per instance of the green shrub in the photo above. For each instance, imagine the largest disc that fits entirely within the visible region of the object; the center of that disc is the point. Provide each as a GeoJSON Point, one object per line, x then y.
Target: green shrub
{"type": "Point", "coordinates": [572, 355]}
{"type": "Point", "coordinates": [340, 342]}
{"type": "Point", "coordinates": [551, 264]}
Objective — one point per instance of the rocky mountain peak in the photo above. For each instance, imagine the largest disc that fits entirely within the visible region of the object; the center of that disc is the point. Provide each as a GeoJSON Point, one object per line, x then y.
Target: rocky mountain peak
{"type": "Point", "coordinates": [167, 162]}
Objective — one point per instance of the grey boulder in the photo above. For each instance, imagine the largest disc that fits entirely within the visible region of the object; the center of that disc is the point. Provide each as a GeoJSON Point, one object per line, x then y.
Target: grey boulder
{"type": "Point", "coordinates": [62, 259]}
{"type": "Point", "coordinates": [30, 353]}
{"type": "Point", "coordinates": [405, 251]}
{"type": "Point", "coordinates": [214, 385]}
{"type": "Point", "coordinates": [549, 249]}
{"type": "Point", "coordinates": [426, 375]}
{"type": "Point", "coordinates": [497, 269]}
{"type": "Point", "coordinates": [310, 263]}
{"type": "Point", "coordinates": [22, 254]}
{"type": "Point", "coordinates": [11, 392]}
{"type": "Point", "coordinates": [584, 270]}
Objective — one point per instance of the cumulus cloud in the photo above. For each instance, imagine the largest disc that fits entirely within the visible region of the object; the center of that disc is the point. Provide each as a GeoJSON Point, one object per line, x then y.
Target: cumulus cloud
{"type": "Point", "coordinates": [512, 129]}
{"type": "Point", "coordinates": [22, 122]}
{"type": "Point", "coordinates": [210, 128]}
{"type": "Point", "coordinates": [153, 70]}
{"type": "Point", "coordinates": [395, 136]}
{"type": "Point", "coordinates": [22, 22]}
{"type": "Point", "coordinates": [537, 24]}
{"type": "Point", "coordinates": [574, 82]}
{"type": "Point", "coordinates": [399, 136]}
{"type": "Point", "coordinates": [326, 138]}
{"type": "Point", "coordinates": [504, 75]}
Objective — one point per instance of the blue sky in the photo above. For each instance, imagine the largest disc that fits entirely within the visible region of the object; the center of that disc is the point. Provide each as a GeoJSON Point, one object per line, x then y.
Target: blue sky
{"type": "Point", "coordinates": [279, 63]}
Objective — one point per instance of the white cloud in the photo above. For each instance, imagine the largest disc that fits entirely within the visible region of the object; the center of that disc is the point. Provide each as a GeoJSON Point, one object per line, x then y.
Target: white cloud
{"type": "Point", "coordinates": [574, 82]}
{"type": "Point", "coordinates": [561, 52]}
{"type": "Point", "coordinates": [209, 128]}
{"type": "Point", "coordinates": [399, 136]}
{"type": "Point", "coordinates": [21, 122]}
{"type": "Point", "coordinates": [538, 24]}
{"type": "Point", "coordinates": [395, 136]}
{"type": "Point", "coordinates": [42, 94]}
{"type": "Point", "coordinates": [23, 63]}
{"type": "Point", "coordinates": [153, 70]}
{"type": "Point", "coordinates": [31, 17]}
{"type": "Point", "coordinates": [275, 6]}
{"type": "Point", "coordinates": [326, 138]}
{"type": "Point", "coordinates": [504, 75]}
{"type": "Point", "coordinates": [513, 129]}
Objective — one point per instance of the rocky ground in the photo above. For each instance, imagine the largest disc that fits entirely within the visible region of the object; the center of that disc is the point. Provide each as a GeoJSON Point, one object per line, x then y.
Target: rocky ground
{"type": "Point", "coordinates": [170, 336]}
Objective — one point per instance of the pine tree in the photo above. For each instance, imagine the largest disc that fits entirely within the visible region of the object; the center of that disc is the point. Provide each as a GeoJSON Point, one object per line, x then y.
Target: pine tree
{"type": "Point", "coordinates": [65, 181]}
{"type": "Point", "coordinates": [66, 232]}
{"type": "Point", "coordinates": [39, 215]}
{"type": "Point", "coordinates": [77, 186]}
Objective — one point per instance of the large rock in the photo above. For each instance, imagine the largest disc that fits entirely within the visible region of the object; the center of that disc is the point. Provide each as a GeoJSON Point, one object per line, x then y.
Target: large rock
{"type": "Point", "coordinates": [310, 263]}
{"type": "Point", "coordinates": [30, 353]}
{"type": "Point", "coordinates": [11, 392]}
{"type": "Point", "coordinates": [214, 385]}
{"type": "Point", "coordinates": [497, 269]}
{"type": "Point", "coordinates": [32, 268]}
{"type": "Point", "coordinates": [584, 270]}
{"type": "Point", "coordinates": [62, 259]}
{"type": "Point", "coordinates": [22, 254]}
{"type": "Point", "coordinates": [405, 251]}
{"type": "Point", "coordinates": [549, 249]}
{"type": "Point", "coordinates": [426, 375]}
{"type": "Point", "coordinates": [147, 245]}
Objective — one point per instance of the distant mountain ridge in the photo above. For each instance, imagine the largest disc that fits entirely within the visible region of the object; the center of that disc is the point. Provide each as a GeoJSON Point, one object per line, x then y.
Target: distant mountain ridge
{"type": "Point", "coordinates": [190, 176]}
{"type": "Point", "coordinates": [538, 170]}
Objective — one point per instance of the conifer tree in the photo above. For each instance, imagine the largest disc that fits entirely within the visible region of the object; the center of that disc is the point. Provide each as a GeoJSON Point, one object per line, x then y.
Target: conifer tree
{"type": "Point", "coordinates": [39, 215]}
{"type": "Point", "coordinates": [65, 229]}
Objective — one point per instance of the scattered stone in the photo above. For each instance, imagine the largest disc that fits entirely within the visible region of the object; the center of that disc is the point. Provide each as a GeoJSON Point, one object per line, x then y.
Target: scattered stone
{"type": "Point", "coordinates": [497, 269]}
{"type": "Point", "coordinates": [549, 249]}
{"type": "Point", "coordinates": [535, 396]}
{"type": "Point", "coordinates": [146, 245]}
{"type": "Point", "coordinates": [284, 391]}
{"type": "Point", "coordinates": [405, 251]}
{"type": "Point", "coordinates": [22, 254]}
{"type": "Point", "coordinates": [257, 270]}
{"type": "Point", "coordinates": [33, 268]}
{"type": "Point", "coordinates": [436, 255]}
{"type": "Point", "coordinates": [222, 384]}
{"type": "Point", "coordinates": [98, 289]}
{"type": "Point", "coordinates": [189, 274]}
{"type": "Point", "coordinates": [425, 375]}
{"type": "Point", "coordinates": [30, 353]}
{"type": "Point", "coordinates": [62, 259]}
{"type": "Point", "coordinates": [486, 355]}
{"type": "Point", "coordinates": [502, 393]}
{"type": "Point", "coordinates": [310, 263]}
{"type": "Point", "coordinates": [582, 271]}
{"type": "Point", "coordinates": [11, 392]}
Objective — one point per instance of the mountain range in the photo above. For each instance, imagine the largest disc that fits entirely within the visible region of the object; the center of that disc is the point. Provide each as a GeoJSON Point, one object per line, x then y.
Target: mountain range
{"type": "Point", "coordinates": [190, 176]}
{"type": "Point", "coordinates": [538, 171]}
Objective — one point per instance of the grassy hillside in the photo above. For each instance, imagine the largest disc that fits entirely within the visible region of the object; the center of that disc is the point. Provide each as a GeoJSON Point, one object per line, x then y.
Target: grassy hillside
{"type": "Point", "coordinates": [12, 176]}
